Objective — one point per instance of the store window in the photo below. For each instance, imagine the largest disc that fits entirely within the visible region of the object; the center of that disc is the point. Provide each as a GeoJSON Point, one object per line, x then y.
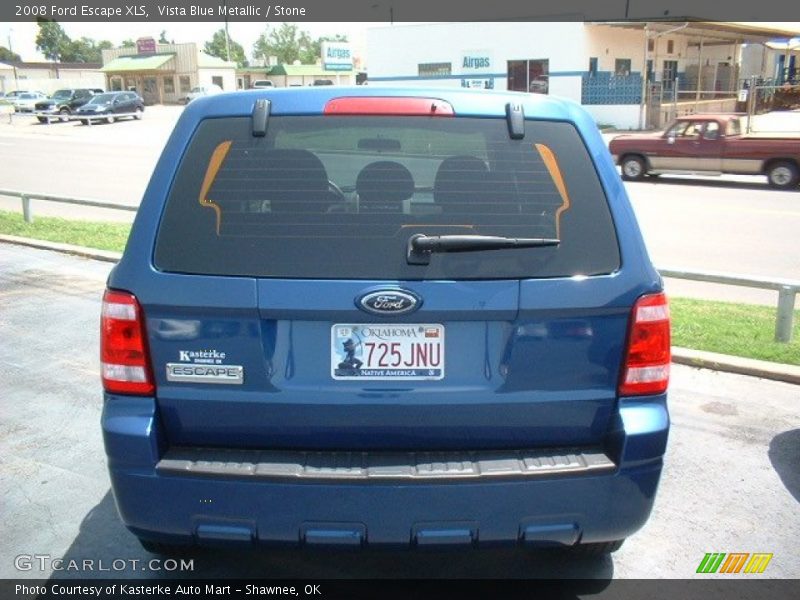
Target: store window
{"type": "Point", "coordinates": [217, 80]}
{"type": "Point", "coordinates": [670, 46]}
{"type": "Point", "coordinates": [116, 84]}
{"type": "Point", "coordinates": [169, 85]}
{"type": "Point", "coordinates": [185, 83]}
{"type": "Point", "coordinates": [529, 75]}
{"type": "Point", "coordinates": [622, 67]}
{"type": "Point", "coordinates": [592, 66]}
{"type": "Point", "coordinates": [651, 45]}
{"type": "Point", "coordinates": [439, 69]}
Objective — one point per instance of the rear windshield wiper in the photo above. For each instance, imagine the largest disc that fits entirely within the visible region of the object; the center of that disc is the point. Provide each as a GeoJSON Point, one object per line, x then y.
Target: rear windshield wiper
{"type": "Point", "coordinates": [420, 246]}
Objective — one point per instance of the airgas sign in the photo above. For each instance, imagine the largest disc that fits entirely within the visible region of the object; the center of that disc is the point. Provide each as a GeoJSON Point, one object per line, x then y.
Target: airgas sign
{"type": "Point", "coordinates": [476, 65]}
{"type": "Point", "coordinates": [476, 61]}
{"type": "Point", "coordinates": [337, 56]}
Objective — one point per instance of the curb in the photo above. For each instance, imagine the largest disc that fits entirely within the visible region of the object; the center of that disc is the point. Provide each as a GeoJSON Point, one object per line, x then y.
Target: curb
{"type": "Point", "coordinates": [104, 255]}
{"type": "Point", "coordinates": [736, 364]}
{"type": "Point", "coordinates": [682, 356]}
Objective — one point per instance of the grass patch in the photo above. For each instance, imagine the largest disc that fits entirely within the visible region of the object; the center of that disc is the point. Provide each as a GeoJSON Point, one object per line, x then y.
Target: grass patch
{"type": "Point", "coordinates": [737, 329]}
{"type": "Point", "coordinates": [91, 234]}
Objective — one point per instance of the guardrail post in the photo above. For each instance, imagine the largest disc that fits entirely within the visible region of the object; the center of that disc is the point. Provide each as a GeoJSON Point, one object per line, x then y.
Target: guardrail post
{"type": "Point", "coordinates": [785, 318]}
{"type": "Point", "coordinates": [27, 213]}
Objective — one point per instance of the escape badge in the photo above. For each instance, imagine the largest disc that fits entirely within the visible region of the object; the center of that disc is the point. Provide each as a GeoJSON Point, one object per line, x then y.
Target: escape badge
{"type": "Point", "coordinates": [204, 366]}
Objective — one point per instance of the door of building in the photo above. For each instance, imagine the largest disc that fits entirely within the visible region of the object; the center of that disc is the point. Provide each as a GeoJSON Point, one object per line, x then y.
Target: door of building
{"type": "Point", "coordinates": [150, 93]}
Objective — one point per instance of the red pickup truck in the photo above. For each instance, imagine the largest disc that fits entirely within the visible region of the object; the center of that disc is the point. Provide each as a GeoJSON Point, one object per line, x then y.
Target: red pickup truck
{"type": "Point", "coordinates": [709, 145]}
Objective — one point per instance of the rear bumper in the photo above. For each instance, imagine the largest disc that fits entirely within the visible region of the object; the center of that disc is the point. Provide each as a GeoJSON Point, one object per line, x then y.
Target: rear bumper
{"type": "Point", "coordinates": [561, 509]}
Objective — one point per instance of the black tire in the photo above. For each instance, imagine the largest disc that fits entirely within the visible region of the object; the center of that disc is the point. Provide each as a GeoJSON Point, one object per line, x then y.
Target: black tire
{"type": "Point", "coordinates": [84, 121]}
{"type": "Point", "coordinates": [163, 549]}
{"type": "Point", "coordinates": [138, 113]}
{"type": "Point", "coordinates": [633, 168]}
{"type": "Point", "coordinates": [110, 119]}
{"type": "Point", "coordinates": [64, 114]}
{"type": "Point", "coordinates": [42, 119]}
{"type": "Point", "coordinates": [783, 175]}
{"type": "Point", "coordinates": [597, 548]}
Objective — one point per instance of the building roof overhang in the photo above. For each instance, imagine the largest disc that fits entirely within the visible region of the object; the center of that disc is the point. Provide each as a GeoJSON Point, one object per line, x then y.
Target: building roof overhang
{"type": "Point", "coordinates": [150, 62]}
{"type": "Point", "coordinates": [723, 32]}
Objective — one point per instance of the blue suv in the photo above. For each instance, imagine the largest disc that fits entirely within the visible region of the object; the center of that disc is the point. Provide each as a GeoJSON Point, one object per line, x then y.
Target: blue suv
{"type": "Point", "coordinates": [363, 316]}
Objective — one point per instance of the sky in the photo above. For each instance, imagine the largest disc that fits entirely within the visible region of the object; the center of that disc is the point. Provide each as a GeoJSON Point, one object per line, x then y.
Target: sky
{"type": "Point", "coordinates": [23, 35]}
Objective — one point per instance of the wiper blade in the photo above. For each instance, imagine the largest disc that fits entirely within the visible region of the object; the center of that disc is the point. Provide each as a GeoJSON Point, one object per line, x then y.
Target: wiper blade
{"type": "Point", "coordinates": [421, 246]}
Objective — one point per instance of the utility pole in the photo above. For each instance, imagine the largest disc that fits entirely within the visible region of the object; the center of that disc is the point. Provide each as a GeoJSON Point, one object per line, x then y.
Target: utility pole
{"type": "Point", "coordinates": [227, 37]}
{"type": "Point", "coordinates": [643, 98]}
{"type": "Point", "coordinates": [13, 63]}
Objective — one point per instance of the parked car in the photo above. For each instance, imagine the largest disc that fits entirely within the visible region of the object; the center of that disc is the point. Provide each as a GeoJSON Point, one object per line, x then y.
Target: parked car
{"type": "Point", "coordinates": [322, 82]}
{"type": "Point", "coordinates": [110, 107]}
{"type": "Point", "coordinates": [203, 90]}
{"type": "Point", "coordinates": [710, 144]}
{"type": "Point", "coordinates": [26, 102]}
{"type": "Point", "coordinates": [63, 103]}
{"type": "Point", "coordinates": [365, 316]}
{"type": "Point", "coordinates": [15, 93]}
{"type": "Point", "coordinates": [262, 84]}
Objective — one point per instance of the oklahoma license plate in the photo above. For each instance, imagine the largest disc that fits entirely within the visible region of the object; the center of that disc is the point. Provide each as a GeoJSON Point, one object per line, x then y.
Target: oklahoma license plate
{"type": "Point", "coordinates": [382, 351]}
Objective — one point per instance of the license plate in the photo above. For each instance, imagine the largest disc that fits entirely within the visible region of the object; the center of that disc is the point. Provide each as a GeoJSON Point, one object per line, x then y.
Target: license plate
{"type": "Point", "coordinates": [381, 351]}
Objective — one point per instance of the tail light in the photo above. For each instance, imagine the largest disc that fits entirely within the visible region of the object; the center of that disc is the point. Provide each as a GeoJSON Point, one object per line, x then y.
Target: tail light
{"type": "Point", "coordinates": [388, 106]}
{"type": "Point", "coordinates": [124, 358]}
{"type": "Point", "coordinates": [647, 357]}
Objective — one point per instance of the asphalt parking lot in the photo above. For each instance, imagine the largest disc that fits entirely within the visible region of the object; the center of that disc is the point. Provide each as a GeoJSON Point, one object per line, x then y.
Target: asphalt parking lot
{"type": "Point", "coordinates": [731, 482]}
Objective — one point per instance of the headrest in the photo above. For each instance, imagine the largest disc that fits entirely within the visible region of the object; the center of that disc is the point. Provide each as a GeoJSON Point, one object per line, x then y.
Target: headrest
{"type": "Point", "coordinates": [384, 182]}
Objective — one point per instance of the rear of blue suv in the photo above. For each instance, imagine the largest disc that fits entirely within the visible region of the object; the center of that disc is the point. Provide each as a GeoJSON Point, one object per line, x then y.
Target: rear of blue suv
{"type": "Point", "coordinates": [385, 317]}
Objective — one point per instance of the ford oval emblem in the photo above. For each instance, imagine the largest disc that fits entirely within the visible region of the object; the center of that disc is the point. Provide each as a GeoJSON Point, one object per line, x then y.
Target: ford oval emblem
{"type": "Point", "coordinates": [389, 302]}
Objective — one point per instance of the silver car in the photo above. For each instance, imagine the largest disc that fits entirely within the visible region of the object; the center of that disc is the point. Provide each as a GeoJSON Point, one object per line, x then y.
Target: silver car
{"type": "Point", "coordinates": [26, 101]}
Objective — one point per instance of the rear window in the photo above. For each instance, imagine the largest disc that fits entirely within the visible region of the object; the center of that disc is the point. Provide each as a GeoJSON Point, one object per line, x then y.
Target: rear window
{"type": "Point", "coordinates": [339, 197]}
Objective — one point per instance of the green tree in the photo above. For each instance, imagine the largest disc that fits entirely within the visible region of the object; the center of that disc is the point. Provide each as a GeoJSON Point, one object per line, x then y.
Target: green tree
{"type": "Point", "coordinates": [82, 50]}
{"type": "Point", "coordinates": [51, 39]}
{"type": "Point", "coordinates": [283, 42]}
{"type": "Point", "coordinates": [162, 39]}
{"type": "Point", "coordinates": [128, 43]}
{"type": "Point", "coordinates": [217, 47]}
{"type": "Point", "coordinates": [7, 55]}
{"type": "Point", "coordinates": [289, 44]}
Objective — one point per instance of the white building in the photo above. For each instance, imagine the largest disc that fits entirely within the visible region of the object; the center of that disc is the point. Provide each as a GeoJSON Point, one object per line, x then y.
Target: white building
{"type": "Point", "coordinates": [47, 77]}
{"type": "Point", "coordinates": [689, 66]}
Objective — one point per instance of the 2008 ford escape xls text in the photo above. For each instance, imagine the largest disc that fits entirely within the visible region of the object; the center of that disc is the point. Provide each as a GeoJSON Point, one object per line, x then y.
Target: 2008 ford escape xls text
{"type": "Point", "coordinates": [385, 316]}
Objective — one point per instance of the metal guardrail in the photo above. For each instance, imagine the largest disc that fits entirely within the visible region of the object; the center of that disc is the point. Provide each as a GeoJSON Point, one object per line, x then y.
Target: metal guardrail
{"type": "Point", "coordinates": [27, 210]}
{"type": "Point", "coordinates": [787, 288]}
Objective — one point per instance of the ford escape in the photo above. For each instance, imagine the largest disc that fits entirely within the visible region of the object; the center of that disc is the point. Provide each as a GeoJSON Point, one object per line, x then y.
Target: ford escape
{"type": "Point", "coordinates": [385, 316]}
